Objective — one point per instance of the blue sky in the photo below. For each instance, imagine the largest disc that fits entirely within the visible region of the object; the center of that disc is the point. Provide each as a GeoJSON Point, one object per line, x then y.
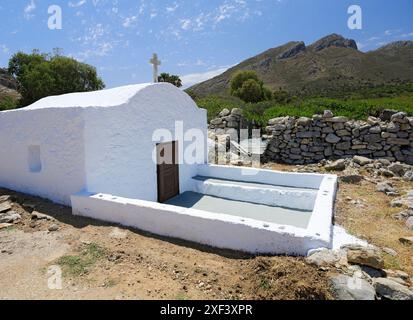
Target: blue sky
{"type": "Point", "coordinates": [195, 39]}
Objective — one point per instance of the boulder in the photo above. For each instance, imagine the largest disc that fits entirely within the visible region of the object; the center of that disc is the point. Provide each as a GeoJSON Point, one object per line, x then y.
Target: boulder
{"type": "Point", "coordinates": [392, 290]}
{"type": "Point", "coordinates": [351, 288]}
{"type": "Point", "coordinates": [365, 257]}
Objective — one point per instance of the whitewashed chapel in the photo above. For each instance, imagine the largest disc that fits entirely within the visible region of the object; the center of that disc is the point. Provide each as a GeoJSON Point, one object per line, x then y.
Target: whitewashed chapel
{"type": "Point", "coordinates": [101, 141]}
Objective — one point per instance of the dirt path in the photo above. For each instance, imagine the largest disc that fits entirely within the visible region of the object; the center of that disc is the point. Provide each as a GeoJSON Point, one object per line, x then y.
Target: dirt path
{"type": "Point", "coordinates": [102, 261]}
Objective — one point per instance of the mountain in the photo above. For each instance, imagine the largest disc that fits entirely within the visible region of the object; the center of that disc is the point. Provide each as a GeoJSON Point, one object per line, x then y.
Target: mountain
{"type": "Point", "coordinates": [331, 64]}
{"type": "Point", "coordinates": [8, 86]}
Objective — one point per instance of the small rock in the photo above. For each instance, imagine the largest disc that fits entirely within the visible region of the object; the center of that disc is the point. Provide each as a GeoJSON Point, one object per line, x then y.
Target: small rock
{"type": "Point", "coordinates": [5, 198]}
{"type": "Point", "coordinates": [397, 168]}
{"type": "Point", "coordinates": [118, 234]}
{"type": "Point", "coordinates": [332, 138]}
{"type": "Point", "coordinates": [352, 288]}
{"type": "Point", "coordinates": [406, 240]}
{"type": "Point", "coordinates": [338, 165]}
{"type": "Point", "coordinates": [5, 225]}
{"type": "Point", "coordinates": [351, 176]}
{"type": "Point", "coordinates": [5, 206]}
{"type": "Point", "coordinates": [408, 176]}
{"type": "Point", "coordinates": [365, 257]}
{"type": "Point", "coordinates": [387, 188]}
{"type": "Point", "coordinates": [9, 217]}
{"type": "Point", "coordinates": [362, 160]}
{"type": "Point", "coordinates": [390, 251]}
{"type": "Point", "coordinates": [41, 216]}
{"type": "Point", "coordinates": [404, 215]}
{"type": "Point", "coordinates": [396, 274]}
{"type": "Point", "coordinates": [53, 228]}
{"type": "Point", "coordinates": [328, 114]}
{"type": "Point", "coordinates": [409, 223]}
{"type": "Point", "coordinates": [224, 113]}
{"type": "Point", "coordinates": [325, 258]}
{"type": "Point", "coordinates": [392, 290]}
{"type": "Point", "coordinates": [236, 112]}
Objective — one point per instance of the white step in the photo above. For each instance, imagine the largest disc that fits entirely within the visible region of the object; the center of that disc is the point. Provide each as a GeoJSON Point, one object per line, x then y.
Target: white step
{"type": "Point", "coordinates": [267, 194]}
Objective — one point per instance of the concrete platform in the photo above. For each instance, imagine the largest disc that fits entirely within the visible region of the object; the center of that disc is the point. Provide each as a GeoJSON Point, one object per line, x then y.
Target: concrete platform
{"type": "Point", "coordinates": [265, 213]}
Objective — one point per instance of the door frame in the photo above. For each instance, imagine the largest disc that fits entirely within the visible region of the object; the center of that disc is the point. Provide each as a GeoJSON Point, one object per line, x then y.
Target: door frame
{"type": "Point", "coordinates": [175, 159]}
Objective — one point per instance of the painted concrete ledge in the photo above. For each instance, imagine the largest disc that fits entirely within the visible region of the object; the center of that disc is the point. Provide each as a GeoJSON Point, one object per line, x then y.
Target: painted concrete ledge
{"type": "Point", "coordinates": [217, 230]}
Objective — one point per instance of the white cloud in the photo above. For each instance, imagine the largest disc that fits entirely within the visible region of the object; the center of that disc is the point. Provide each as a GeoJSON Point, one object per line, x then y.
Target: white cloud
{"type": "Point", "coordinates": [172, 8]}
{"type": "Point", "coordinates": [28, 10]}
{"type": "Point", "coordinates": [406, 35]}
{"type": "Point", "coordinates": [4, 49]}
{"type": "Point", "coordinates": [76, 4]}
{"type": "Point", "coordinates": [129, 21]}
{"type": "Point", "coordinates": [194, 78]}
{"type": "Point", "coordinates": [185, 24]}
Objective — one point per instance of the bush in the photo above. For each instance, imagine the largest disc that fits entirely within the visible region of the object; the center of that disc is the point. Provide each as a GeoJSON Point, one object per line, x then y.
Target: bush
{"type": "Point", "coordinates": [8, 103]}
{"type": "Point", "coordinates": [41, 75]}
{"type": "Point", "coordinates": [214, 105]}
{"type": "Point", "coordinates": [248, 87]}
{"type": "Point", "coordinates": [260, 113]}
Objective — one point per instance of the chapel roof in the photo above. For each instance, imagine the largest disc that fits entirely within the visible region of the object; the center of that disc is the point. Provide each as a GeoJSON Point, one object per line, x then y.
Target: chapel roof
{"type": "Point", "coordinates": [102, 98]}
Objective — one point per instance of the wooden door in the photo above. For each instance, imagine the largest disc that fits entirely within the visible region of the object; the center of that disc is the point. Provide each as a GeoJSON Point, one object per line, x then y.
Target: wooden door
{"type": "Point", "coordinates": [168, 170]}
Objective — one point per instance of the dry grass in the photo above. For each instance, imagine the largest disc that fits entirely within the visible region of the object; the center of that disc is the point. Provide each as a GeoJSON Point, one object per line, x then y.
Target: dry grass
{"type": "Point", "coordinates": [374, 222]}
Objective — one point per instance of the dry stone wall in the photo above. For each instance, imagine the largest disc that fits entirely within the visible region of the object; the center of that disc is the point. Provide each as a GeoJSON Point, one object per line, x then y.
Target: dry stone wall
{"type": "Point", "coordinates": [228, 122]}
{"type": "Point", "coordinates": [308, 140]}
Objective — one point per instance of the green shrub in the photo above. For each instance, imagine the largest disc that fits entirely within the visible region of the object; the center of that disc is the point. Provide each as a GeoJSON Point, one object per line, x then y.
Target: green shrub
{"type": "Point", "coordinates": [8, 103]}
{"type": "Point", "coordinates": [214, 105]}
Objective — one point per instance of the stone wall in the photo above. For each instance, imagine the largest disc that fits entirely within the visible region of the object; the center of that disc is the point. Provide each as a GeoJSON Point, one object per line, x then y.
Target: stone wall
{"type": "Point", "coordinates": [228, 122]}
{"type": "Point", "coordinates": [308, 140]}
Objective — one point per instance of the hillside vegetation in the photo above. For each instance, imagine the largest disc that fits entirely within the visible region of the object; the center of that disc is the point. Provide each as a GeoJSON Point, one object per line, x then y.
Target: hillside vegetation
{"type": "Point", "coordinates": [355, 105]}
{"type": "Point", "coordinates": [328, 67]}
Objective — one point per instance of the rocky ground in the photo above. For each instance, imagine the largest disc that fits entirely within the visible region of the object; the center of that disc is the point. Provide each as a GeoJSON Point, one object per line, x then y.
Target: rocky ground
{"type": "Point", "coordinates": [38, 239]}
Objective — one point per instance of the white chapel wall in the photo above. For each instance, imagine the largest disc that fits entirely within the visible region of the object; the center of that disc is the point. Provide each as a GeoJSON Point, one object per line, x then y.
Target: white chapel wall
{"type": "Point", "coordinates": [41, 152]}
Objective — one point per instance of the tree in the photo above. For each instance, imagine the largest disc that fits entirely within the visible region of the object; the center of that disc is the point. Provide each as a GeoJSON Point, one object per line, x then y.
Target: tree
{"type": "Point", "coordinates": [247, 86]}
{"type": "Point", "coordinates": [40, 75]}
{"type": "Point", "coordinates": [170, 78]}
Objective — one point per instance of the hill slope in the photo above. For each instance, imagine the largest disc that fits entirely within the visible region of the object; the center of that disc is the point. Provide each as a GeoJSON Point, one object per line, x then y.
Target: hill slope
{"type": "Point", "coordinates": [8, 86]}
{"type": "Point", "coordinates": [331, 64]}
